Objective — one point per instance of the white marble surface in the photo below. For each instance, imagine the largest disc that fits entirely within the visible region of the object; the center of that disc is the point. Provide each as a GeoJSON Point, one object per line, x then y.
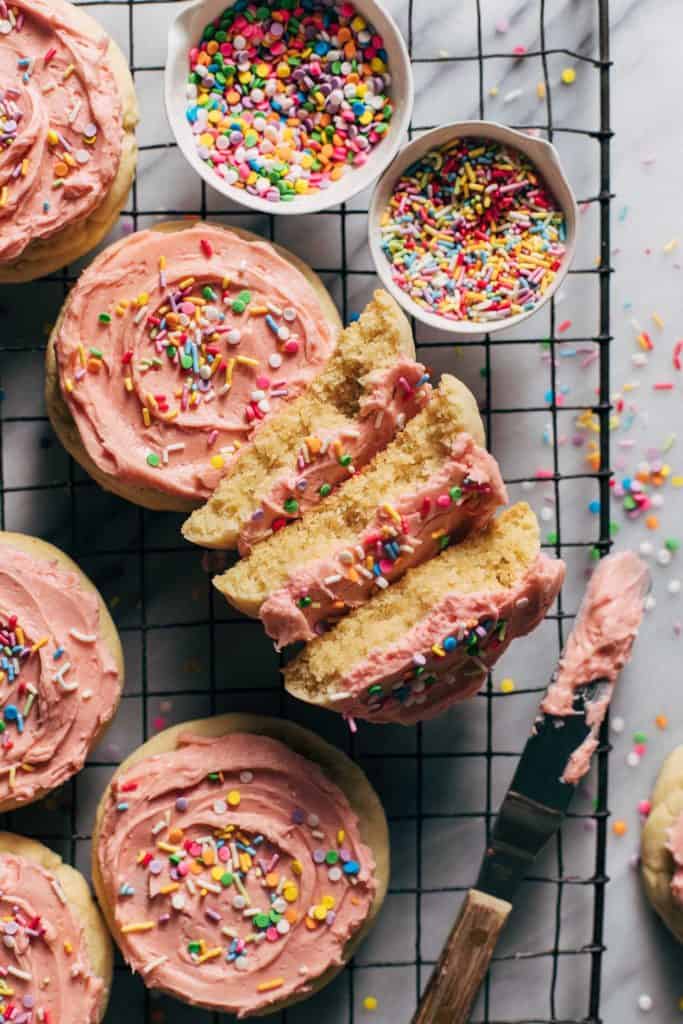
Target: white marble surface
{"type": "Point", "coordinates": [169, 673]}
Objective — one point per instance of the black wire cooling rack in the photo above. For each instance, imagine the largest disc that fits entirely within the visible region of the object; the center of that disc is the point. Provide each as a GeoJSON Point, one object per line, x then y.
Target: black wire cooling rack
{"type": "Point", "coordinates": [127, 568]}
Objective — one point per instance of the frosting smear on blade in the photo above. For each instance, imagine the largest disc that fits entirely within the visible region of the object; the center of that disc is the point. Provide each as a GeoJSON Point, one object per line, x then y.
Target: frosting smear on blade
{"type": "Point", "coordinates": [175, 346]}
{"type": "Point", "coordinates": [60, 122]}
{"type": "Point", "coordinates": [235, 871]}
{"type": "Point", "coordinates": [45, 972]}
{"type": "Point", "coordinates": [60, 680]}
{"type": "Point", "coordinates": [599, 646]}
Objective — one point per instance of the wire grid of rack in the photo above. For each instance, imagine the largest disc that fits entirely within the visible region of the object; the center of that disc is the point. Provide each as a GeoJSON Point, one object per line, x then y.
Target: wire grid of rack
{"type": "Point", "coordinates": [128, 561]}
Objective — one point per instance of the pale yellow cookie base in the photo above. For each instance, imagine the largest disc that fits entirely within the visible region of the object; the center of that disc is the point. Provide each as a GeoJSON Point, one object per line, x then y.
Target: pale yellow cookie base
{"type": "Point", "coordinates": [657, 864]}
{"type": "Point", "coordinates": [338, 768]}
{"type": "Point", "coordinates": [64, 425]}
{"type": "Point", "coordinates": [45, 255]}
{"type": "Point", "coordinates": [80, 901]}
{"type": "Point", "coordinates": [41, 550]}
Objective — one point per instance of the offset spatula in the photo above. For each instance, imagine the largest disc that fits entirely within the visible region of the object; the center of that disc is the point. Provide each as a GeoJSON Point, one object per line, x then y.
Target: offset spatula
{"type": "Point", "coordinates": [531, 813]}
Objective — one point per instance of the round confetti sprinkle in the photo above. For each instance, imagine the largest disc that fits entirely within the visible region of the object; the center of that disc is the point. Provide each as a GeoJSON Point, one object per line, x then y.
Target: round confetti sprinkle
{"type": "Point", "coordinates": [507, 685]}
{"type": "Point", "coordinates": [284, 101]}
{"type": "Point", "coordinates": [246, 777]}
{"type": "Point", "coordinates": [568, 76]}
{"type": "Point", "coordinates": [234, 798]}
{"type": "Point", "coordinates": [370, 1003]}
{"type": "Point", "coordinates": [620, 828]}
{"type": "Point", "coordinates": [472, 233]}
{"type": "Point", "coordinates": [661, 721]}
{"type": "Point", "coordinates": [645, 1002]}
{"type": "Point", "coordinates": [633, 759]}
{"type": "Point", "coordinates": [618, 724]}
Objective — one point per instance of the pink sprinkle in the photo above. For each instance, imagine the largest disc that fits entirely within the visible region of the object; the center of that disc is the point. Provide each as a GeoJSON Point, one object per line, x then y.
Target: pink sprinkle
{"type": "Point", "coordinates": [519, 51]}
{"type": "Point", "coordinates": [544, 474]}
{"type": "Point", "coordinates": [443, 500]}
{"type": "Point", "coordinates": [205, 246]}
{"type": "Point", "coordinates": [644, 807]}
{"type": "Point", "coordinates": [291, 347]}
{"type": "Point", "coordinates": [663, 385]}
{"type": "Point", "coordinates": [351, 722]}
{"type": "Point", "coordinates": [564, 326]}
{"type": "Point", "coordinates": [211, 439]}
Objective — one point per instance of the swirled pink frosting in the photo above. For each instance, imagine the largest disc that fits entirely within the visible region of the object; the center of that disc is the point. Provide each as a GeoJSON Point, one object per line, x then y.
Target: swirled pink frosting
{"type": "Point", "coordinates": [444, 658]}
{"type": "Point", "coordinates": [675, 846]}
{"type": "Point", "coordinates": [392, 397]}
{"type": "Point", "coordinates": [599, 646]}
{"type": "Point", "coordinates": [175, 347]}
{"type": "Point", "coordinates": [45, 969]}
{"type": "Point", "coordinates": [59, 104]}
{"type": "Point", "coordinates": [235, 871]}
{"type": "Point", "coordinates": [56, 672]}
{"type": "Point", "coordinates": [462, 495]}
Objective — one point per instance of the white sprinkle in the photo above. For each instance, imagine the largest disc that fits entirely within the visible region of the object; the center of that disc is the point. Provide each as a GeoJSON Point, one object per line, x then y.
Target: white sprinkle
{"type": "Point", "coordinates": [334, 578]}
{"type": "Point", "coordinates": [674, 586]}
{"type": "Point", "coordinates": [645, 1002]}
{"type": "Point", "coordinates": [275, 360]}
{"type": "Point", "coordinates": [58, 890]}
{"type": "Point", "coordinates": [511, 96]}
{"type": "Point", "coordinates": [85, 638]}
{"type": "Point", "coordinates": [178, 900]}
{"type": "Point", "coordinates": [664, 556]}
{"type": "Point", "coordinates": [246, 777]}
{"type": "Point", "coordinates": [151, 964]}
{"type": "Point", "coordinates": [24, 975]}
{"type": "Point", "coordinates": [633, 759]}
{"type": "Point", "coordinates": [381, 582]}
{"type": "Point", "coordinates": [313, 820]}
{"type": "Point", "coordinates": [618, 725]}
{"type": "Point", "coordinates": [650, 603]}
{"type": "Point", "coordinates": [646, 548]}
{"type": "Point", "coordinates": [141, 313]}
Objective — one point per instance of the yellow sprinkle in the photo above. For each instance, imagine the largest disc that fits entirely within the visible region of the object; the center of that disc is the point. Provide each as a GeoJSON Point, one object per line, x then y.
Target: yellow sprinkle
{"type": "Point", "coordinates": [658, 320]}
{"type": "Point", "coordinates": [266, 986]}
{"type": "Point", "coordinates": [39, 643]}
{"type": "Point", "coordinates": [370, 1003]}
{"type": "Point", "coordinates": [128, 383]}
{"type": "Point", "coordinates": [320, 912]}
{"type": "Point", "coordinates": [20, 635]}
{"type": "Point", "coordinates": [540, 90]}
{"type": "Point", "coordinates": [246, 361]}
{"type": "Point", "coordinates": [297, 868]}
{"type": "Point", "coordinates": [234, 798]}
{"type": "Point", "coordinates": [391, 511]}
{"type": "Point", "coordinates": [68, 948]}
{"type": "Point", "coordinates": [328, 902]}
{"type": "Point", "coordinates": [210, 954]}
{"type": "Point", "coordinates": [145, 416]}
{"type": "Point", "coordinates": [341, 836]}
{"type": "Point", "coordinates": [217, 461]}
{"type": "Point", "coordinates": [677, 481]}
{"type": "Point", "coordinates": [12, 776]}
{"type": "Point", "coordinates": [167, 847]}
{"type": "Point", "coordinates": [162, 263]}
{"type": "Point", "coordinates": [3, 195]}
{"type": "Point", "coordinates": [81, 354]}
{"type": "Point", "coordinates": [438, 650]}
{"type": "Point", "coordinates": [186, 283]}
{"type": "Point", "coordinates": [670, 246]}
{"type": "Point", "coordinates": [69, 384]}
{"type": "Point", "coordinates": [290, 892]}
{"type": "Point", "coordinates": [67, 72]}
{"type": "Point", "coordinates": [171, 887]}
{"type": "Point", "coordinates": [142, 299]}
{"type": "Point", "coordinates": [507, 685]}
{"type": "Point", "coordinates": [138, 926]}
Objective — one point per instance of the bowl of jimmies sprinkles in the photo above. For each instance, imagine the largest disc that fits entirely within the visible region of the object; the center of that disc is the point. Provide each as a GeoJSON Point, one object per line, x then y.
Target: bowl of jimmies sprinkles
{"type": "Point", "coordinates": [288, 106]}
{"type": "Point", "coordinates": [473, 227]}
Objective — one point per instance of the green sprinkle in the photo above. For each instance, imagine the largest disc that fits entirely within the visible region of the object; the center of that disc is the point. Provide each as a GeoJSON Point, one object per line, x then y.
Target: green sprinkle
{"type": "Point", "coordinates": [209, 293]}
{"type": "Point", "coordinates": [274, 917]}
{"type": "Point", "coordinates": [261, 920]}
{"type": "Point", "coordinates": [104, 318]}
{"type": "Point", "coordinates": [552, 538]}
{"type": "Point", "coordinates": [455, 493]}
{"type": "Point", "coordinates": [375, 688]}
{"type": "Point", "coordinates": [153, 459]}
{"type": "Point", "coordinates": [639, 737]}
{"type": "Point", "coordinates": [444, 542]}
{"type": "Point", "coordinates": [226, 879]}
{"type": "Point", "coordinates": [213, 777]}
{"type": "Point", "coordinates": [324, 490]}
{"type": "Point", "coordinates": [304, 602]}
{"type": "Point", "coordinates": [186, 361]}
{"type": "Point", "coordinates": [291, 505]}
{"type": "Point", "coordinates": [344, 460]}
{"type": "Point", "coordinates": [240, 303]}
{"type": "Point", "coordinates": [194, 947]}
{"type": "Point", "coordinates": [331, 857]}
{"type": "Point", "coordinates": [672, 544]}
{"type": "Point", "coordinates": [96, 352]}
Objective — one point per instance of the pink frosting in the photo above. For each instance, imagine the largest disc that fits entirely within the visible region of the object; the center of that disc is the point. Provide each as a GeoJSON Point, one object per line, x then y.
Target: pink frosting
{"type": "Point", "coordinates": [392, 397]}
{"type": "Point", "coordinates": [68, 89]}
{"type": "Point", "coordinates": [399, 536]}
{"type": "Point", "coordinates": [45, 968]}
{"type": "Point", "coordinates": [65, 680]}
{"type": "Point", "coordinates": [599, 646]}
{"type": "Point", "coordinates": [157, 383]}
{"type": "Point", "coordinates": [675, 845]}
{"type": "Point", "coordinates": [444, 658]}
{"type": "Point", "coordinates": [253, 827]}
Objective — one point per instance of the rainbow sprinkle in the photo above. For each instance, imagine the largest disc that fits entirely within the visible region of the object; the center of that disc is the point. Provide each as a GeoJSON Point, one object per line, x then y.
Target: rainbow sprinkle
{"type": "Point", "coordinates": [285, 97]}
{"type": "Point", "coordinates": [472, 233]}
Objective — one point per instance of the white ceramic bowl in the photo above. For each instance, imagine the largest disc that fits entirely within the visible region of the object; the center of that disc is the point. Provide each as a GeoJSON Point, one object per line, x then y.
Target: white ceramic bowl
{"type": "Point", "coordinates": [186, 30]}
{"type": "Point", "coordinates": [542, 155]}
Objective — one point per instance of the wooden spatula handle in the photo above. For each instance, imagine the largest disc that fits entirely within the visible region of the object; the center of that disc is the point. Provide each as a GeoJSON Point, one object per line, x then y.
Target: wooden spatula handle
{"type": "Point", "coordinates": [464, 960]}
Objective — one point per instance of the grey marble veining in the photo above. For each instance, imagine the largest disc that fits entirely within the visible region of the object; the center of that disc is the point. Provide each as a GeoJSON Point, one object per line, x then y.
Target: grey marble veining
{"type": "Point", "coordinates": [646, 161]}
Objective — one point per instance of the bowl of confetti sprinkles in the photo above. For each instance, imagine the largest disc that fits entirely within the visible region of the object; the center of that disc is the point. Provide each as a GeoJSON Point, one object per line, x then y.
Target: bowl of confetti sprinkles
{"type": "Point", "coordinates": [288, 106]}
{"type": "Point", "coordinates": [473, 227]}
